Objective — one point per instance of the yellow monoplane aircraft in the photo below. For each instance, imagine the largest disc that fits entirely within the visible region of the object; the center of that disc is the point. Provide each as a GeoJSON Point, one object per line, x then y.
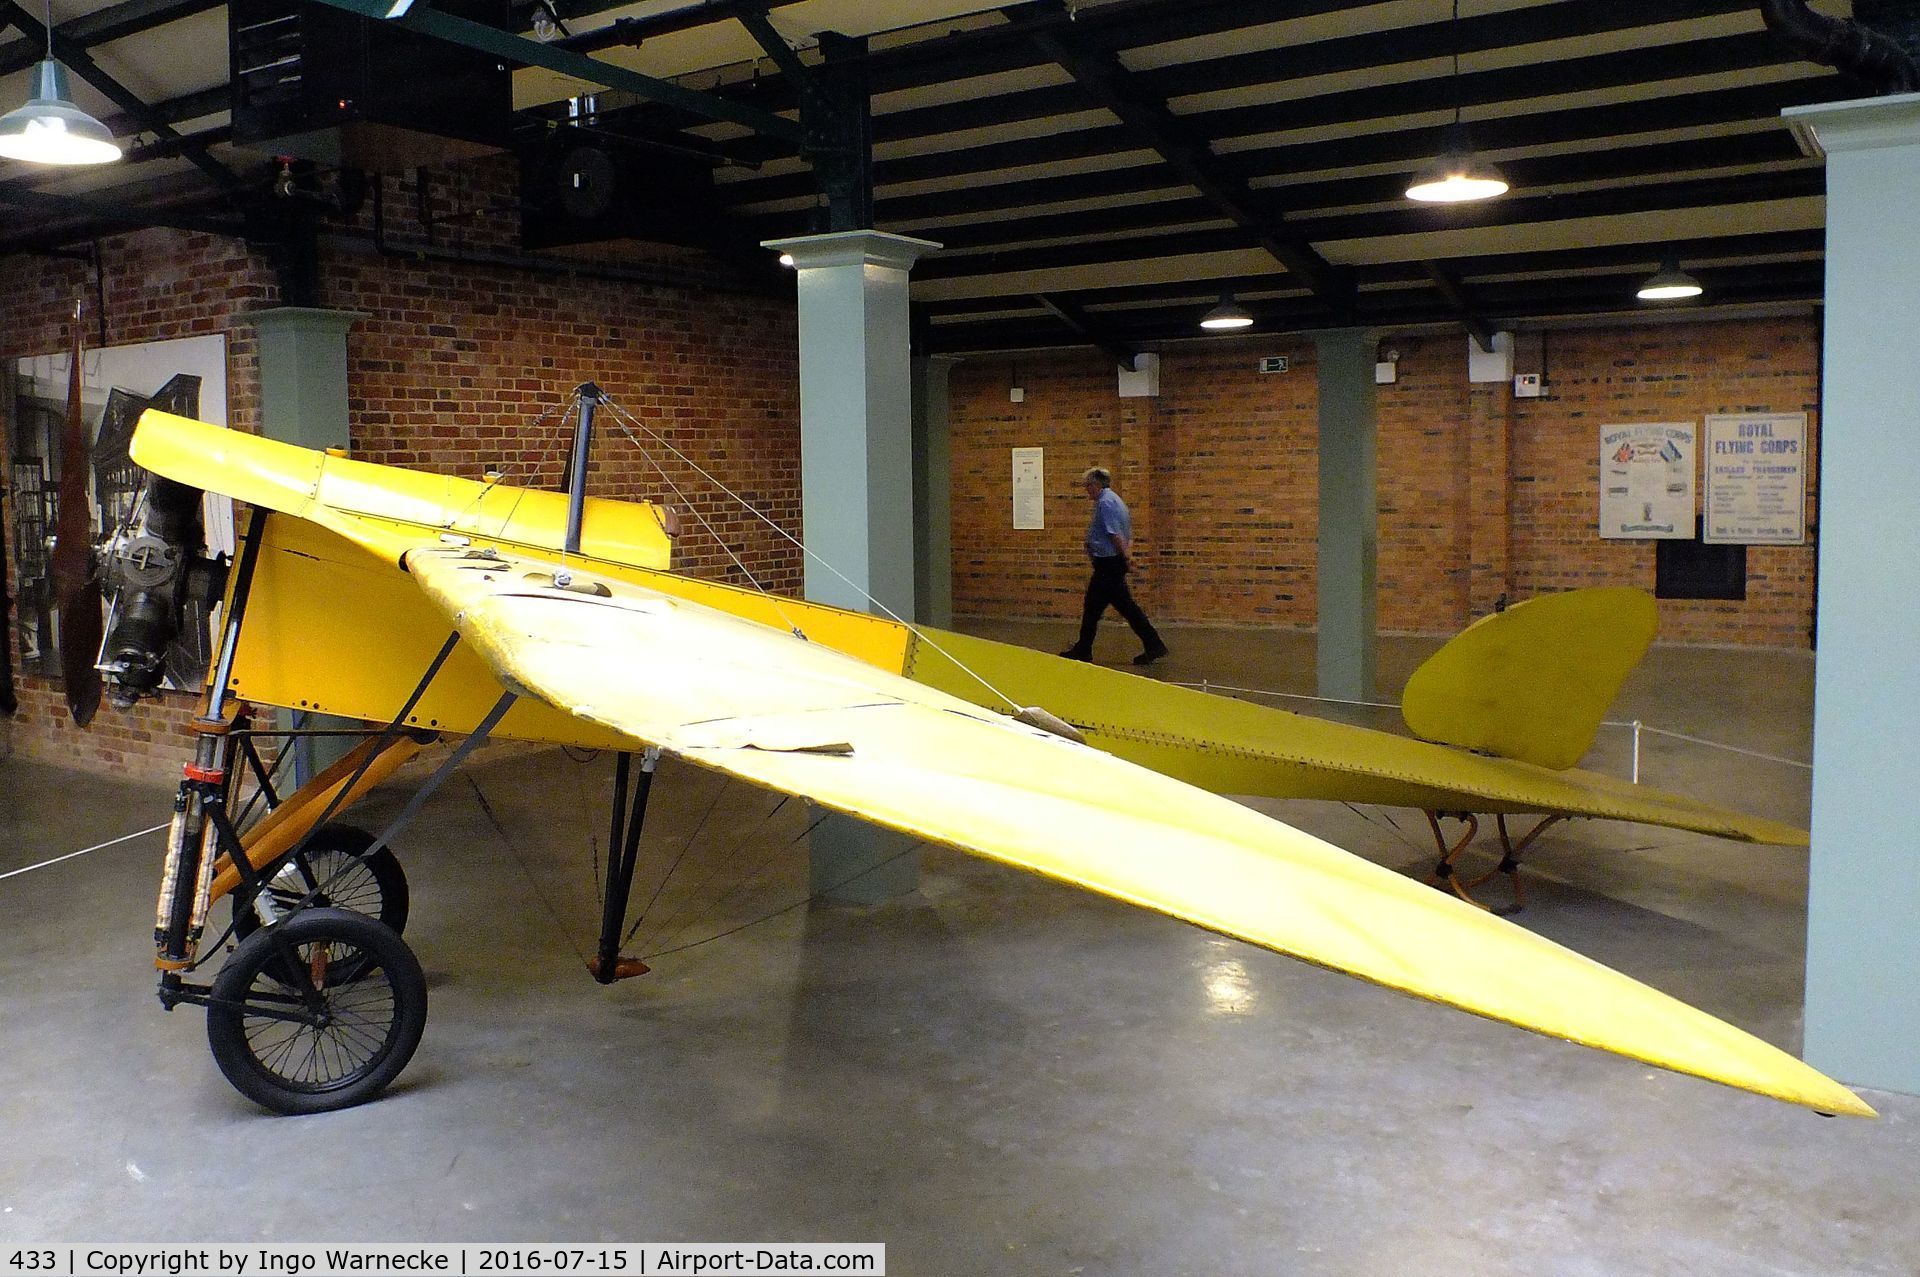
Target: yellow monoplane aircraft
{"type": "Point", "coordinates": [440, 604]}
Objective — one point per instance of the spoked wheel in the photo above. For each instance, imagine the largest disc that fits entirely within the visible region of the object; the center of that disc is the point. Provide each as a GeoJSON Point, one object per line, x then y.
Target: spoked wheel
{"type": "Point", "coordinates": [294, 1038]}
{"type": "Point", "coordinates": [336, 871]}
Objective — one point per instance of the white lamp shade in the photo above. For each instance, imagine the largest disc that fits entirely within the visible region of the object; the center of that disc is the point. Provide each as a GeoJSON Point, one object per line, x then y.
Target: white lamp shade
{"type": "Point", "coordinates": [1455, 179]}
{"type": "Point", "coordinates": [50, 129]}
{"type": "Point", "coordinates": [1669, 283]}
{"type": "Point", "coordinates": [1228, 314]}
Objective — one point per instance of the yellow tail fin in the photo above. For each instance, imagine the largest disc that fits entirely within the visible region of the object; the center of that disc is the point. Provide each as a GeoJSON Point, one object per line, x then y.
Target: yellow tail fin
{"type": "Point", "coordinates": [1533, 682]}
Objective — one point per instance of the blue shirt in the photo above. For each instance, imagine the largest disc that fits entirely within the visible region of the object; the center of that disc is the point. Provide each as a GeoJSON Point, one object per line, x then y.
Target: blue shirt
{"type": "Point", "coordinates": [1110, 520]}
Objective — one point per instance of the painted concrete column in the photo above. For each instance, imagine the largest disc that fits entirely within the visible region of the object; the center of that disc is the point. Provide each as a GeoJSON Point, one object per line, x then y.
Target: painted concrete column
{"type": "Point", "coordinates": [1349, 505]}
{"type": "Point", "coordinates": [303, 374]}
{"type": "Point", "coordinates": [856, 449]}
{"type": "Point", "coordinates": [932, 491]}
{"type": "Point", "coordinates": [1863, 907]}
{"type": "Point", "coordinates": [303, 400]}
{"type": "Point", "coordinates": [857, 487]}
{"type": "Point", "coordinates": [1489, 496]}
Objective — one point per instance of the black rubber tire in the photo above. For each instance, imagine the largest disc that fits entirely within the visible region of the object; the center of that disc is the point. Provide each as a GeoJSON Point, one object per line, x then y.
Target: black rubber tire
{"type": "Point", "coordinates": [375, 1019]}
{"type": "Point", "coordinates": [375, 885]}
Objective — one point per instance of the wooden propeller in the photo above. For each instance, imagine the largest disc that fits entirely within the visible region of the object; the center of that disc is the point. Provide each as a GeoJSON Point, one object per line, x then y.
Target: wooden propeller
{"type": "Point", "coordinates": [76, 583]}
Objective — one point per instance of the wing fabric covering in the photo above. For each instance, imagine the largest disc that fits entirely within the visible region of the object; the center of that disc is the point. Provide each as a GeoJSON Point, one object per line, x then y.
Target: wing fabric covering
{"type": "Point", "coordinates": [1533, 682]}
{"type": "Point", "coordinates": [1225, 745]}
{"type": "Point", "coordinates": [775, 710]}
{"type": "Point", "coordinates": [1234, 747]}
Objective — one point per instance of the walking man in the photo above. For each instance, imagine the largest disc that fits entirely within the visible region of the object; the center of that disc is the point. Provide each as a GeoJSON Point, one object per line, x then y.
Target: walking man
{"type": "Point", "coordinates": [1109, 543]}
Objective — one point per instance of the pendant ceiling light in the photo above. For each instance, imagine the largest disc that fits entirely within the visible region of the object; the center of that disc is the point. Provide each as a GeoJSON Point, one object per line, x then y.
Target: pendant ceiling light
{"type": "Point", "coordinates": [50, 129]}
{"type": "Point", "coordinates": [1228, 314]}
{"type": "Point", "coordinates": [1669, 283]}
{"type": "Point", "coordinates": [1458, 175]}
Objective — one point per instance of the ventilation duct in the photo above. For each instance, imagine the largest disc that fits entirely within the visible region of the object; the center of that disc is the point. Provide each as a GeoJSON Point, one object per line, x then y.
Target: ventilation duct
{"type": "Point", "coordinates": [1857, 50]}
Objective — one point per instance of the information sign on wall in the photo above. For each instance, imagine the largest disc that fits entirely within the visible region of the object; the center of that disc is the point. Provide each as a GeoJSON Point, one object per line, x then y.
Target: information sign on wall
{"type": "Point", "coordinates": [1029, 488]}
{"type": "Point", "coordinates": [1756, 479]}
{"type": "Point", "coordinates": [1646, 480]}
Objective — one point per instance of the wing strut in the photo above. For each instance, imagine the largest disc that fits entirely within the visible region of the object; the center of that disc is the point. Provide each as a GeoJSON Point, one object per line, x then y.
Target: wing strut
{"type": "Point", "coordinates": [623, 847]}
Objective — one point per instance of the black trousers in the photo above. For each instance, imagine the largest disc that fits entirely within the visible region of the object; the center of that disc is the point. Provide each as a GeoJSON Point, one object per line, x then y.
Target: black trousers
{"type": "Point", "coordinates": [1107, 587]}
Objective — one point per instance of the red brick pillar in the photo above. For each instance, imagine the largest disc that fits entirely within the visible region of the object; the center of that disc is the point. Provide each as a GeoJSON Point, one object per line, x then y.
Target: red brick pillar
{"type": "Point", "coordinates": [1489, 494]}
{"type": "Point", "coordinates": [1136, 478]}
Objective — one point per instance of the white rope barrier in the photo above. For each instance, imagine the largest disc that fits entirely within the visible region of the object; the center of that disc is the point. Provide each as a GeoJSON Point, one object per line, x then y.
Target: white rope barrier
{"type": "Point", "coordinates": [154, 829]}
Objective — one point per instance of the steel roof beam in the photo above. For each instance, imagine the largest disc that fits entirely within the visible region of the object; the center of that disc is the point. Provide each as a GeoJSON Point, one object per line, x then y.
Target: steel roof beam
{"type": "Point", "coordinates": [1450, 288]}
{"type": "Point", "coordinates": [81, 63]}
{"type": "Point", "coordinates": [1767, 250]}
{"type": "Point", "coordinates": [1114, 87]}
{"type": "Point", "coordinates": [115, 22]}
{"type": "Point", "coordinates": [1088, 329]}
{"type": "Point", "coordinates": [524, 52]}
{"type": "Point", "coordinates": [1638, 198]}
{"type": "Point", "coordinates": [1679, 60]}
{"type": "Point", "coordinates": [1705, 109]}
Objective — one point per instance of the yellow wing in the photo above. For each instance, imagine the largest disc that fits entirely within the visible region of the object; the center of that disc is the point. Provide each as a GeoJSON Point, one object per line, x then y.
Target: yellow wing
{"type": "Point", "coordinates": [779, 711]}
{"type": "Point", "coordinates": [1533, 682]}
{"type": "Point", "coordinates": [1235, 747]}
{"type": "Point", "coordinates": [375, 513]}
{"type": "Point", "coordinates": [638, 659]}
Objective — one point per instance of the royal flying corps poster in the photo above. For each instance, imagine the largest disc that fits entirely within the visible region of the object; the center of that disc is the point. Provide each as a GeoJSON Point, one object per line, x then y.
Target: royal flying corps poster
{"type": "Point", "coordinates": [1756, 479]}
{"type": "Point", "coordinates": [1646, 480]}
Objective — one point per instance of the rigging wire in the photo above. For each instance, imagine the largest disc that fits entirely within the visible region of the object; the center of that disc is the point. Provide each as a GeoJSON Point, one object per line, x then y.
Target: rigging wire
{"type": "Point", "coordinates": [726, 782]}
{"type": "Point", "coordinates": [711, 531]}
{"type": "Point", "coordinates": [719, 863]}
{"type": "Point", "coordinates": [622, 417]}
{"type": "Point", "coordinates": [507, 841]}
{"type": "Point", "coordinates": [752, 874]}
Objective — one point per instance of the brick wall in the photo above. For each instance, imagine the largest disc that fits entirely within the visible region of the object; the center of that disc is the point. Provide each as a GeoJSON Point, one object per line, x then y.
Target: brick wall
{"type": "Point", "coordinates": [1480, 494]}
{"type": "Point", "coordinates": [457, 366]}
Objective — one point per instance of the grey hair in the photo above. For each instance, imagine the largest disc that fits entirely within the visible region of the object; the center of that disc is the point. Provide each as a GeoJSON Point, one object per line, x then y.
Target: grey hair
{"type": "Point", "coordinates": [1099, 475]}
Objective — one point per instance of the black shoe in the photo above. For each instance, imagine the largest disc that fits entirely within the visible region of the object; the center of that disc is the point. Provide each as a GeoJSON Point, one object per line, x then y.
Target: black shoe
{"type": "Point", "coordinates": [1151, 655]}
{"type": "Point", "coordinates": [1075, 654]}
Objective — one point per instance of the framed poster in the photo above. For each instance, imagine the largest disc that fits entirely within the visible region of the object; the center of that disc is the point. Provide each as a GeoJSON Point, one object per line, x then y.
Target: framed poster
{"type": "Point", "coordinates": [187, 376]}
{"type": "Point", "coordinates": [1029, 488]}
{"type": "Point", "coordinates": [1756, 479]}
{"type": "Point", "coordinates": [1646, 480]}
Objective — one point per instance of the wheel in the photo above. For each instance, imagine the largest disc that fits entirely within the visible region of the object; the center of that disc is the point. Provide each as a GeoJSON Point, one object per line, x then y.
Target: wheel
{"type": "Point", "coordinates": [335, 861]}
{"type": "Point", "coordinates": [295, 1040]}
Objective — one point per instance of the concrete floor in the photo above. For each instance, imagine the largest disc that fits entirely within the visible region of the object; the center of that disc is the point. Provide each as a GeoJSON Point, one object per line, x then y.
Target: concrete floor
{"type": "Point", "coordinates": [995, 1074]}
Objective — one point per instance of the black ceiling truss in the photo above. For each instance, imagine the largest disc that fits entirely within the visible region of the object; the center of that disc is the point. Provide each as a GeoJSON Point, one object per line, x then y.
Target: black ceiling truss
{"type": "Point", "coordinates": [1111, 85]}
{"type": "Point", "coordinates": [1092, 331]}
{"type": "Point", "coordinates": [1732, 252]}
{"type": "Point", "coordinates": [116, 22]}
{"type": "Point", "coordinates": [836, 113]}
{"type": "Point", "coordinates": [1165, 173]}
{"type": "Point", "coordinates": [1666, 110]}
{"type": "Point", "coordinates": [1463, 306]}
{"type": "Point", "coordinates": [81, 63]}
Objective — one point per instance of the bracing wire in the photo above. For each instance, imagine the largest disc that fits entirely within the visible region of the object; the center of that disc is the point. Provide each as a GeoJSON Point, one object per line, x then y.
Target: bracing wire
{"type": "Point", "coordinates": [686, 845]}
{"type": "Point", "coordinates": [710, 529]}
{"type": "Point", "coordinates": [752, 875]}
{"type": "Point", "coordinates": [622, 417]}
{"type": "Point", "coordinates": [672, 924]}
{"type": "Point", "coordinates": [805, 900]}
{"type": "Point", "coordinates": [506, 840]}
